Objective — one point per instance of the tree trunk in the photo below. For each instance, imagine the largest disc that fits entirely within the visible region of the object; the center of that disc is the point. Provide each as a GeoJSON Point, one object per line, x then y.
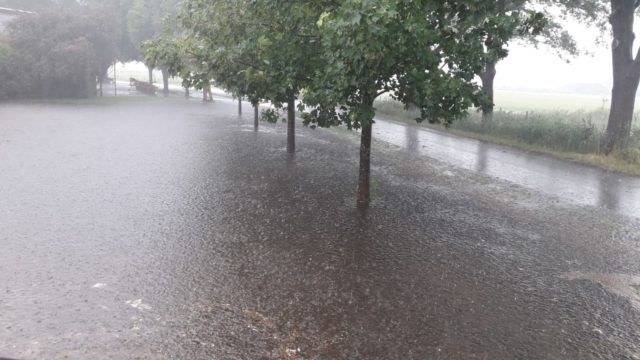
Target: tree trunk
{"type": "Point", "coordinates": [626, 74]}
{"type": "Point", "coordinates": [186, 92]}
{"type": "Point", "coordinates": [364, 176]}
{"type": "Point", "coordinates": [206, 94]}
{"type": "Point", "coordinates": [150, 75]}
{"type": "Point", "coordinates": [100, 85]}
{"type": "Point", "coordinates": [256, 115]}
{"type": "Point", "coordinates": [239, 105]}
{"type": "Point", "coordinates": [623, 98]}
{"type": "Point", "coordinates": [487, 77]}
{"type": "Point", "coordinates": [291, 125]}
{"type": "Point", "coordinates": [165, 82]}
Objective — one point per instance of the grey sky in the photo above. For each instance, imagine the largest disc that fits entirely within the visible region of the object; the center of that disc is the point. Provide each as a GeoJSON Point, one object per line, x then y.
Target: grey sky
{"type": "Point", "coordinates": [530, 68]}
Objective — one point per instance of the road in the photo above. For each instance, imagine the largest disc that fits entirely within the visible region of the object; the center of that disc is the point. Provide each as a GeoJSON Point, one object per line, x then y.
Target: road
{"type": "Point", "coordinates": [171, 229]}
{"type": "Point", "coordinates": [4, 19]}
{"type": "Point", "coordinates": [565, 180]}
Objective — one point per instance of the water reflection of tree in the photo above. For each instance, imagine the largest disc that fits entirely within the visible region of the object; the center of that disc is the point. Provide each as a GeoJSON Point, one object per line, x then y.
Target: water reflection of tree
{"type": "Point", "coordinates": [482, 157]}
{"type": "Point", "coordinates": [609, 195]}
{"type": "Point", "coordinates": [411, 138]}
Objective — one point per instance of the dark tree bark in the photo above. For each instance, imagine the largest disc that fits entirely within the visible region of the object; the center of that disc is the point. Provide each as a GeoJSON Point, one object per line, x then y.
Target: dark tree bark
{"type": "Point", "coordinates": [489, 74]}
{"type": "Point", "coordinates": [626, 74]}
{"type": "Point", "coordinates": [256, 115]}
{"type": "Point", "coordinates": [364, 170]}
{"type": "Point", "coordinates": [240, 106]}
{"type": "Point", "coordinates": [291, 125]}
{"type": "Point", "coordinates": [487, 77]}
{"type": "Point", "coordinates": [165, 81]}
{"type": "Point", "coordinates": [150, 75]}
{"type": "Point", "coordinates": [364, 175]}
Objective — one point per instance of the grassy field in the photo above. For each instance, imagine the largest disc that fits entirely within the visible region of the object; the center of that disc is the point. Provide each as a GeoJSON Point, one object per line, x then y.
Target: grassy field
{"type": "Point", "coordinates": [539, 101]}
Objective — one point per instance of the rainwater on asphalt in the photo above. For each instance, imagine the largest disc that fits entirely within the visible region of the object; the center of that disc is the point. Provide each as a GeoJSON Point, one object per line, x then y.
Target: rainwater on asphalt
{"type": "Point", "coordinates": [566, 180]}
{"type": "Point", "coordinates": [174, 230]}
{"type": "Point", "coordinates": [4, 20]}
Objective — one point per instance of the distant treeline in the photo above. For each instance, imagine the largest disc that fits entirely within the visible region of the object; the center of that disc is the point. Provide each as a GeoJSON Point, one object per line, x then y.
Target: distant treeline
{"type": "Point", "coordinates": [55, 55]}
{"type": "Point", "coordinates": [66, 46]}
{"type": "Point", "coordinates": [35, 5]}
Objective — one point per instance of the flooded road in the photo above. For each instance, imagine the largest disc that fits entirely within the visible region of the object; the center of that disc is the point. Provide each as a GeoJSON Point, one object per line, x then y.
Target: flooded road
{"type": "Point", "coordinates": [4, 20]}
{"type": "Point", "coordinates": [563, 179]}
{"type": "Point", "coordinates": [173, 230]}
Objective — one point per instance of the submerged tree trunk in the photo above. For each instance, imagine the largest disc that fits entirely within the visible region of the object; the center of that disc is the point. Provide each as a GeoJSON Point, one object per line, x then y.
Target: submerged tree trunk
{"type": "Point", "coordinates": [626, 74]}
{"type": "Point", "coordinates": [240, 105]}
{"type": "Point", "coordinates": [487, 77]}
{"type": "Point", "coordinates": [206, 93]}
{"type": "Point", "coordinates": [364, 176]}
{"type": "Point", "coordinates": [291, 125]}
{"type": "Point", "coordinates": [256, 115]}
{"type": "Point", "coordinates": [186, 92]}
{"type": "Point", "coordinates": [165, 82]}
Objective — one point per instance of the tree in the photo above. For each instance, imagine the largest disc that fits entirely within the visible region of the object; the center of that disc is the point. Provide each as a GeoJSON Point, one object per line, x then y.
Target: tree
{"type": "Point", "coordinates": [149, 19]}
{"type": "Point", "coordinates": [60, 54]}
{"type": "Point", "coordinates": [261, 50]}
{"type": "Point", "coordinates": [171, 54]}
{"type": "Point", "coordinates": [538, 24]}
{"type": "Point", "coordinates": [424, 53]}
{"type": "Point", "coordinates": [165, 54]}
{"type": "Point", "coordinates": [626, 73]}
{"type": "Point", "coordinates": [528, 23]}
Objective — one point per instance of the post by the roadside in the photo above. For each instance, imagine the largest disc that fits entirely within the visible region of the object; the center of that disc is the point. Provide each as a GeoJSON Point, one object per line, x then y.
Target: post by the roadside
{"type": "Point", "coordinates": [115, 79]}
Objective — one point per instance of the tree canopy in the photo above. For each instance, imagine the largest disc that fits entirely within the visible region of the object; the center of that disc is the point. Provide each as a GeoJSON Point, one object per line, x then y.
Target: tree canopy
{"type": "Point", "coordinates": [262, 50]}
{"type": "Point", "coordinates": [342, 55]}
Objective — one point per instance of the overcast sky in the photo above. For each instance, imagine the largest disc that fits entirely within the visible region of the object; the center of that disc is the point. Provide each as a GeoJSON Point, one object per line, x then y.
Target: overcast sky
{"type": "Point", "coordinates": [530, 68]}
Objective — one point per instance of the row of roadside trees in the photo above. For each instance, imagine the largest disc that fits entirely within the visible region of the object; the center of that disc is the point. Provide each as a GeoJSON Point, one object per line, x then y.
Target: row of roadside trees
{"type": "Point", "coordinates": [331, 59]}
{"type": "Point", "coordinates": [328, 59]}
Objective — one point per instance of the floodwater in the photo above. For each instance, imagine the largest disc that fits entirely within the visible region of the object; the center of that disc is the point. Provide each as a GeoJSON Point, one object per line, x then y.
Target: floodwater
{"type": "Point", "coordinates": [566, 180]}
{"type": "Point", "coordinates": [170, 229]}
{"type": "Point", "coordinates": [4, 19]}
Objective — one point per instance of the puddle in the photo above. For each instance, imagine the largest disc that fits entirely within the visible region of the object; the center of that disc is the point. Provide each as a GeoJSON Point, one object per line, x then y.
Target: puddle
{"type": "Point", "coordinates": [627, 286]}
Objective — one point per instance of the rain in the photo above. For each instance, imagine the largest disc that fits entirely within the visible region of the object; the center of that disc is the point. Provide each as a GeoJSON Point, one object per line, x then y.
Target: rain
{"type": "Point", "coordinates": [194, 179]}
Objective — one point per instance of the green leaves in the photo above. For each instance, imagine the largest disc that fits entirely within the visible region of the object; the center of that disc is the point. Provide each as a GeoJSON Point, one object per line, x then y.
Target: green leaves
{"type": "Point", "coordinates": [424, 53]}
{"type": "Point", "coordinates": [344, 54]}
{"type": "Point", "coordinates": [259, 49]}
{"type": "Point", "coordinates": [165, 53]}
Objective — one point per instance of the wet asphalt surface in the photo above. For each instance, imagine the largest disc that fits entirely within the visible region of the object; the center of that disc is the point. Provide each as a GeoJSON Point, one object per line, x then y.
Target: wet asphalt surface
{"type": "Point", "coordinates": [569, 181]}
{"type": "Point", "coordinates": [4, 20]}
{"type": "Point", "coordinates": [175, 231]}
